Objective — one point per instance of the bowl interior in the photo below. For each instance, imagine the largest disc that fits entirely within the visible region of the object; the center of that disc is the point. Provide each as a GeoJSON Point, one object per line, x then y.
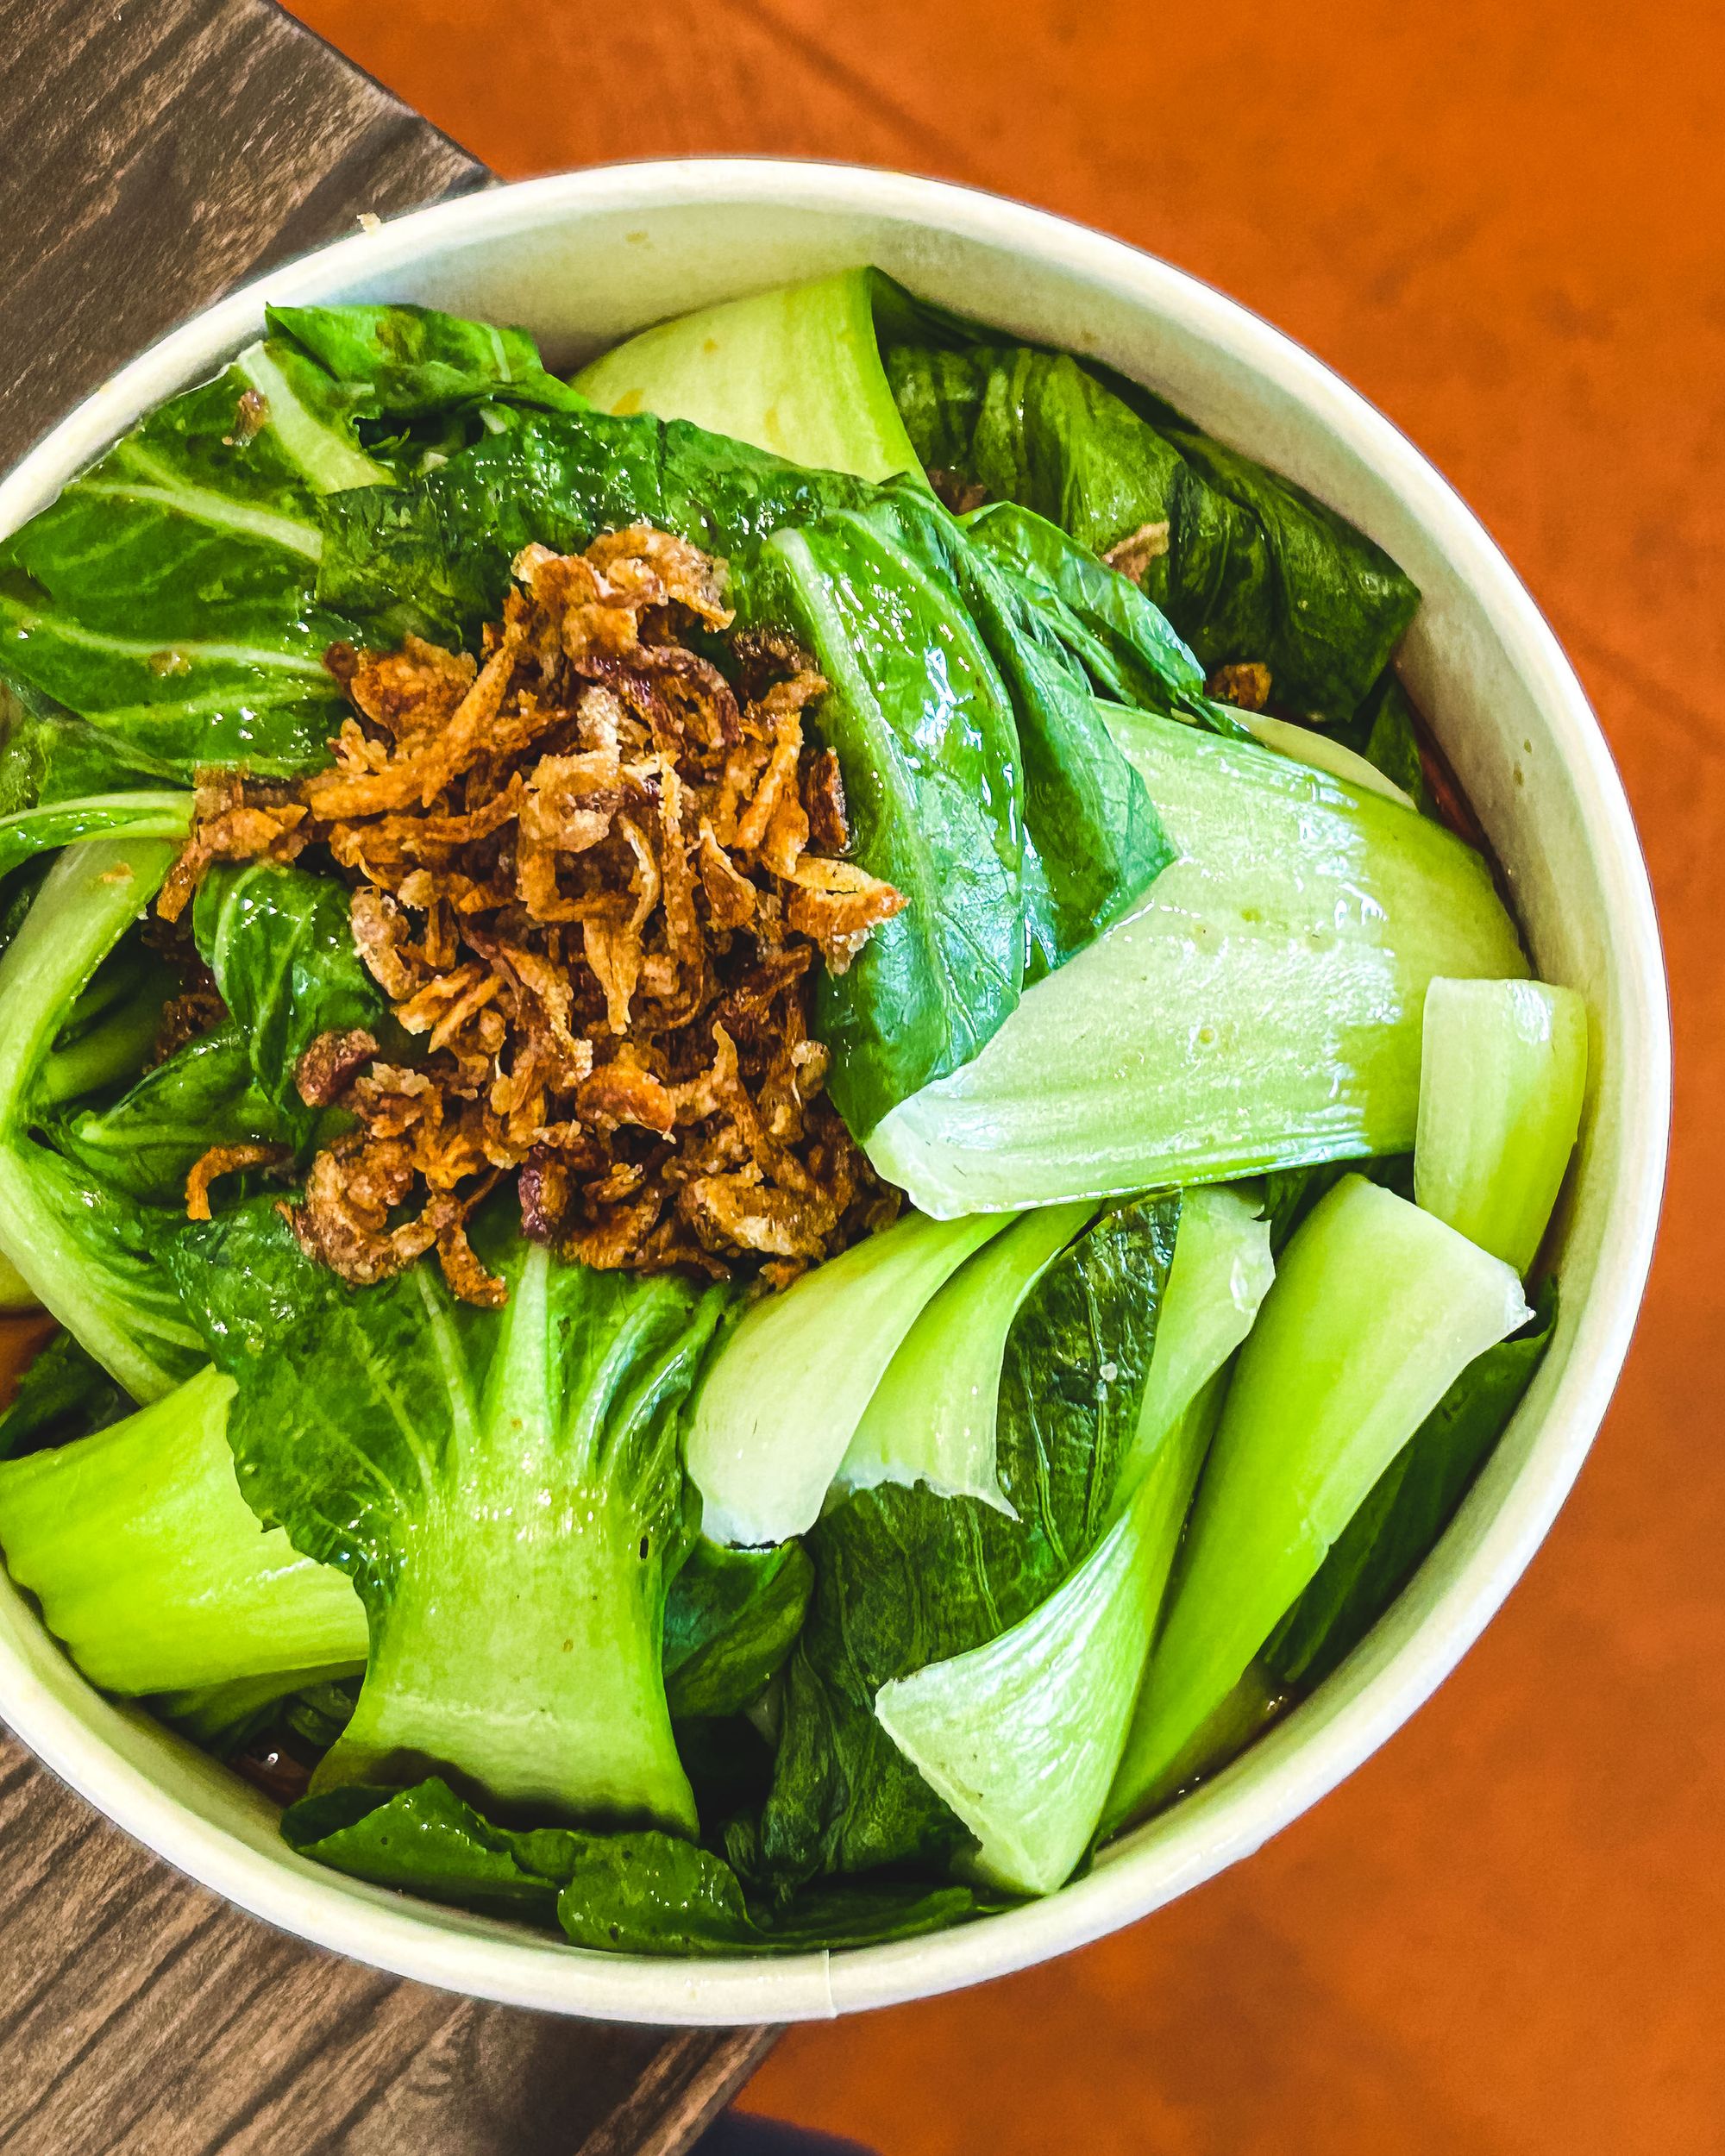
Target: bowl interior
{"type": "Point", "coordinates": [583, 259]}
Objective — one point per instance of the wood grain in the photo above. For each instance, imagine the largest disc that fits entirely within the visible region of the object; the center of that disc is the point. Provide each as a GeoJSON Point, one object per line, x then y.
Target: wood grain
{"type": "Point", "coordinates": [150, 155]}
{"type": "Point", "coordinates": [680, 2090]}
{"type": "Point", "coordinates": [155, 152]}
{"type": "Point", "coordinates": [140, 2013]}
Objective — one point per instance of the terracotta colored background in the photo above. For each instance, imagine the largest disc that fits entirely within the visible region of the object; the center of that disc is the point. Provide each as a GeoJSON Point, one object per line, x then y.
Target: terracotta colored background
{"type": "Point", "coordinates": [1501, 219]}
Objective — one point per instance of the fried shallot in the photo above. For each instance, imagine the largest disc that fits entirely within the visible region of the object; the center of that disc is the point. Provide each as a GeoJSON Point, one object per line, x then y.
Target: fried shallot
{"type": "Point", "coordinates": [595, 875]}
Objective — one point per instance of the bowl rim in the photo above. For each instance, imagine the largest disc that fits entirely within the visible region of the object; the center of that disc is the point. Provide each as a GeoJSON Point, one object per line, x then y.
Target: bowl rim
{"type": "Point", "coordinates": [1225, 1820]}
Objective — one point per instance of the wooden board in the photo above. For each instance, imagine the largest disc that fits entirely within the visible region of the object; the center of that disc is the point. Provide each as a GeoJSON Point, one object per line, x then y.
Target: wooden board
{"type": "Point", "coordinates": [140, 2013]}
{"type": "Point", "coordinates": [152, 155]}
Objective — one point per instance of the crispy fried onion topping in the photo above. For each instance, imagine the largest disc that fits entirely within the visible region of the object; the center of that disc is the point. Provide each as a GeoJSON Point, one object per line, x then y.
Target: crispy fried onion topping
{"type": "Point", "coordinates": [1245, 684]}
{"type": "Point", "coordinates": [593, 875]}
{"type": "Point", "coordinates": [1133, 554]}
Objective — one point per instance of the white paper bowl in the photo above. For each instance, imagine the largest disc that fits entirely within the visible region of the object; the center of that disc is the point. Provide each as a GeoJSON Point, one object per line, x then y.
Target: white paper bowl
{"type": "Point", "coordinates": [582, 260]}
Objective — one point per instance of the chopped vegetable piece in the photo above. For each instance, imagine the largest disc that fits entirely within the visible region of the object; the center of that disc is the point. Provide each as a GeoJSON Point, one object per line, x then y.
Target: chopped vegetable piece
{"type": "Point", "coordinates": [933, 1416]}
{"type": "Point", "coordinates": [1377, 1309]}
{"type": "Point", "coordinates": [88, 1253]}
{"type": "Point", "coordinates": [1410, 1505]}
{"type": "Point", "coordinates": [1021, 1737]}
{"type": "Point", "coordinates": [151, 1567]}
{"type": "Point", "coordinates": [1501, 1089]}
{"type": "Point", "coordinates": [778, 1408]}
{"type": "Point", "coordinates": [1221, 1273]}
{"type": "Point", "coordinates": [1261, 1010]}
{"type": "Point", "coordinates": [905, 1578]}
{"type": "Point", "coordinates": [796, 371]}
{"type": "Point", "coordinates": [512, 1537]}
{"type": "Point", "coordinates": [1306, 744]}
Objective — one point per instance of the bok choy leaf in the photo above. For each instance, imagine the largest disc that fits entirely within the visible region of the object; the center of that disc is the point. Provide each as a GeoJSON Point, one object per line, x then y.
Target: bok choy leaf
{"type": "Point", "coordinates": [1376, 1310]}
{"type": "Point", "coordinates": [933, 1418]}
{"type": "Point", "coordinates": [1021, 1737]}
{"type": "Point", "coordinates": [904, 1578]}
{"type": "Point", "coordinates": [504, 1487]}
{"type": "Point", "coordinates": [172, 596]}
{"type": "Point", "coordinates": [636, 1892]}
{"type": "Point", "coordinates": [731, 1618]}
{"type": "Point", "coordinates": [392, 364]}
{"type": "Point", "coordinates": [148, 813]}
{"type": "Point", "coordinates": [787, 1388]}
{"type": "Point", "coordinates": [1502, 1080]}
{"type": "Point", "coordinates": [151, 1568]}
{"type": "Point", "coordinates": [168, 596]}
{"type": "Point", "coordinates": [278, 942]}
{"type": "Point", "coordinates": [1261, 1010]}
{"type": "Point", "coordinates": [280, 946]}
{"type": "Point", "coordinates": [90, 1253]}
{"type": "Point", "coordinates": [796, 371]}
{"type": "Point", "coordinates": [1408, 1507]}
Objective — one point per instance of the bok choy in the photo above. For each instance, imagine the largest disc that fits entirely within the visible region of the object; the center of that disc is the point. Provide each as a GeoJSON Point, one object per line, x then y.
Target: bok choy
{"type": "Point", "coordinates": [736, 1291]}
{"type": "Point", "coordinates": [1261, 1010]}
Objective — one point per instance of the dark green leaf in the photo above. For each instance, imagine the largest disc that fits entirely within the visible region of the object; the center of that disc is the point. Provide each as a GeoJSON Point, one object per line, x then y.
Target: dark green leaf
{"type": "Point", "coordinates": [1338, 605]}
{"type": "Point", "coordinates": [503, 1487]}
{"type": "Point", "coordinates": [645, 1893]}
{"type": "Point", "coordinates": [1093, 842]}
{"type": "Point", "coordinates": [904, 1578]}
{"type": "Point", "coordinates": [277, 941]}
{"type": "Point", "coordinates": [167, 597]}
{"type": "Point", "coordinates": [1413, 1500]}
{"type": "Point", "coordinates": [146, 1143]}
{"type": "Point", "coordinates": [1130, 648]}
{"type": "Point", "coordinates": [926, 734]}
{"type": "Point", "coordinates": [65, 1394]}
{"type": "Point", "coordinates": [436, 552]}
{"type": "Point", "coordinates": [1254, 569]}
{"type": "Point", "coordinates": [427, 1840]}
{"type": "Point", "coordinates": [222, 1718]}
{"type": "Point", "coordinates": [279, 944]}
{"type": "Point", "coordinates": [403, 363]}
{"type": "Point", "coordinates": [319, 1714]}
{"type": "Point", "coordinates": [48, 756]}
{"type": "Point", "coordinates": [729, 1622]}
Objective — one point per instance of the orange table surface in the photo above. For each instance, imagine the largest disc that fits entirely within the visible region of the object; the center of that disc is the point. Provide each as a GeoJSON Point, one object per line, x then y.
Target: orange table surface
{"type": "Point", "coordinates": [1501, 219]}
